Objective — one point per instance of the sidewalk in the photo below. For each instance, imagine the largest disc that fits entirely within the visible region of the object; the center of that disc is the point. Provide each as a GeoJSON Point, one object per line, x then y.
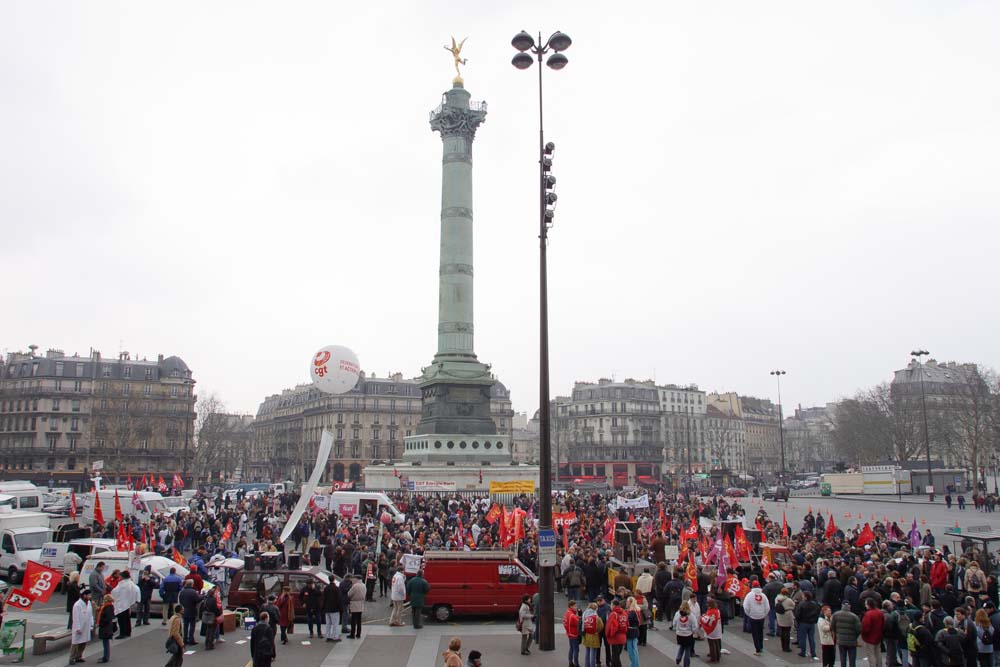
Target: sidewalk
{"type": "Point", "coordinates": [906, 500]}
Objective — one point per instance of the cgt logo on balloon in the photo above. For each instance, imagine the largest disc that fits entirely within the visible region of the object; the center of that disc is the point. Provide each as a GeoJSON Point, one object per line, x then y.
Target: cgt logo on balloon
{"type": "Point", "coordinates": [335, 369]}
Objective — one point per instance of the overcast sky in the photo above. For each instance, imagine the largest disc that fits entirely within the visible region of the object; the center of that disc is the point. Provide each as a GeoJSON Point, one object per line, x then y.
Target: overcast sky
{"type": "Point", "coordinates": [742, 187]}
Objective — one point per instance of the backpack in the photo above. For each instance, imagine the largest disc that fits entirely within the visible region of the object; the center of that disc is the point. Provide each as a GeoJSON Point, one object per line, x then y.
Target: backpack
{"type": "Point", "coordinates": [952, 642]}
{"type": "Point", "coordinates": [912, 643]}
{"type": "Point", "coordinates": [590, 624]}
{"type": "Point", "coordinates": [986, 636]}
{"type": "Point", "coordinates": [903, 620]}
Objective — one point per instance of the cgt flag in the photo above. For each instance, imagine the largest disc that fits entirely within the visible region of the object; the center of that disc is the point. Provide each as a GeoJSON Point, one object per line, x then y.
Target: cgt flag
{"type": "Point", "coordinates": [39, 581]}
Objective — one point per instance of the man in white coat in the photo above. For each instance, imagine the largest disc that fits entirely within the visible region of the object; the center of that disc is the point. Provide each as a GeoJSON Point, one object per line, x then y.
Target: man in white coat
{"type": "Point", "coordinates": [83, 625]}
{"type": "Point", "coordinates": [397, 595]}
{"type": "Point", "coordinates": [125, 594]}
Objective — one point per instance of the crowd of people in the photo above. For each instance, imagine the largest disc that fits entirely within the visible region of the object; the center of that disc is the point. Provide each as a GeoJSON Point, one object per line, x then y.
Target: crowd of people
{"type": "Point", "coordinates": [826, 592]}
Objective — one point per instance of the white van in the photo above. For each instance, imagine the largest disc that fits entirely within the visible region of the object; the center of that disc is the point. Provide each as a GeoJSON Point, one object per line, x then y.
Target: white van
{"type": "Point", "coordinates": [144, 504]}
{"type": "Point", "coordinates": [360, 503]}
{"type": "Point", "coordinates": [21, 495]}
{"type": "Point", "coordinates": [22, 535]}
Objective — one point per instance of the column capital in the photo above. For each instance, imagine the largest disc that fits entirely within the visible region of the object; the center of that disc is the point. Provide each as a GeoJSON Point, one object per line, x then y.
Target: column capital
{"type": "Point", "coordinates": [457, 116]}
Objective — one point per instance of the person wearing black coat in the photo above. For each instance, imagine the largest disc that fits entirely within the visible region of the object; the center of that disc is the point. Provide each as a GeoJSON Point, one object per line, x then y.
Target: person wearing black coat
{"type": "Point", "coordinates": [312, 600]}
{"type": "Point", "coordinates": [262, 649]}
{"type": "Point", "coordinates": [106, 626]}
{"type": "Point", "coordinates": [148, 582]}
{"type": "Point", "coordinates": [832, 592]}
{"type": "Point", "coordinates": [331, 608]}
{"type": "Point", "coordinates": [272, 612]}
{"type": "Point", "coordinates": [660, 581]}
{"type": "Point", "coordinates": [72, 595]}
{"type": "Point", "coordinates": [345, 601]}
{"type": "Point", "coordinates": [189, 600]}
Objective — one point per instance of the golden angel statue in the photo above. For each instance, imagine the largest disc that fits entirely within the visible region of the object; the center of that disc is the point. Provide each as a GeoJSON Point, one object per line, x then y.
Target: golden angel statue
{"type": "Point", "coordinates": [456, 51]}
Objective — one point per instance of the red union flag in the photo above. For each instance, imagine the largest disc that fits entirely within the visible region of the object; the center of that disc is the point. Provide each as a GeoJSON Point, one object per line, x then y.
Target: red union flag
{"type": "Point", "coordinates": [40, 581]}
{"type": "Point", "coordinates": [19, 600]}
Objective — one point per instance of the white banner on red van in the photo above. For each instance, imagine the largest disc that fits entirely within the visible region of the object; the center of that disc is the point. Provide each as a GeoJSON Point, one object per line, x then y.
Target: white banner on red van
{"type": "Point", "coordinates": [424, 485]}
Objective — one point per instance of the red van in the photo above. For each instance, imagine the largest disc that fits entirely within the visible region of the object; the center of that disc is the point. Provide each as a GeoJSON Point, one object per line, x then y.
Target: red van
{"type": "Point", "coordinates": [476, 582]}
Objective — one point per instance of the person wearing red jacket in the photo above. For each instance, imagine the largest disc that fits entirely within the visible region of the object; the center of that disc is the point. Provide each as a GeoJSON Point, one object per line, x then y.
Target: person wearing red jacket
{"type": "Point", "coordinates": [571, 622]}
{"type": "Point", "coordinates": [872, 629]}
{"type": "Point", "coordinates": [939, 575]}
{"type": "Point", "coordinates": [615, 631]}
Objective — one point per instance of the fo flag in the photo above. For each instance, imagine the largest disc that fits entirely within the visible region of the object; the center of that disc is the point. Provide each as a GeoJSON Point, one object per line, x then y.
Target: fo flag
{"type": "Point", "coordinates": [39, 581]}
{"type": "Point", "coordinates": [18, 600]}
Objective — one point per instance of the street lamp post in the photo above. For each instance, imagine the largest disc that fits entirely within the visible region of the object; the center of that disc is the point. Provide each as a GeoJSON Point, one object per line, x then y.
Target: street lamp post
{"type": "Point", "coordinates": [781, 425]}
{"type": "Point", "coordinates": [556, 43]}
{"type": "Point", "coordinates": [916, 354]}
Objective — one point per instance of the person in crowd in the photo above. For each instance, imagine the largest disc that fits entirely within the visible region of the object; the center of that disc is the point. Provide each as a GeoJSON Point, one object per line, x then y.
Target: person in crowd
{"type": "Point", "coordinates": [148, 582]}
{"type": "Point", "coordinates": [634, 615]}
{"type": "Point", "coordinates": [72, 595]}
{"type": "Point", "coordinates": [170, 589]}
{"type": "Point", "coordinates": [397, 598]}
{"type": "Point", "coordinates": [784, 607]}
{"type": "Point", "coordinates": [82, 625]}
{"type": "Point", "coordinates": [593, 630]}
{"type": "Point", "coordinates": [312, 600]}
{"type": "Point", "coordinates": [846, 629]}
{"type": "Point", "coordinates": [262, 648]}
{"type": "Point", "coordinates": [756, 608]}
{"type": "Point", "coordinates": [331, 608]}
{"type": "Point", "coordinates": [125, 595]}
{"type": "Point", "coordinates": [571, 624]}
{"type": "Point", "coordinates": [872, 627]}
{"type": "Point", "coordinates": [98, 585]}
{"type": "Point", "coordinates": [475, 659]}
{"type": "Point", "coordinates": [685, 628]}
{"type": "Point", "coordinates": [106, 625]}
{"type": "Point", "coordinates": [711, 627]}
{"type": "Point", "coordinates": [417, 588]}
{"type": "Point", "coordinates": [175, 638]}
{"type": "Point", "coordinates": [453, 656]}
{"type": "Point", "coordinates": [189, 600]}
{"type": "Point", "coordinates": [211, 615]}
{"type": "Point", "coordinates": [806, 614]}
{"type": "Point", "coordinates": [824, 626]}
{"type": "Point", "coordinates": [286, 613]}
{"type": "Point", "coordinates": [526, 624]}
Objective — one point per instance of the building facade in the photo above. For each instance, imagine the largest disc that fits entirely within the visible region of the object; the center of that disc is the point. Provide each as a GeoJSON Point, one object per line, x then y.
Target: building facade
{"type": "Point", "coordinates": [685, 446]}
{"type": "Point", "coordinates": [809, 439]}
{"type": "Point", "coordinates": [60, 414]}
{"type": "Point", "coordinates": [369, 424]}
{"type": "Point", "coordinates": [760, 424]}
{"type": "Point", "coordinates": [612, 432]}
{"type": "Point", "coordinates": [725, 437]}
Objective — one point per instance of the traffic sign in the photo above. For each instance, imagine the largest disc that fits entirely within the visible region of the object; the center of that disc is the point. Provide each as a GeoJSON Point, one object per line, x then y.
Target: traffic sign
{"type": "Point", "coordinates": [547, 547]}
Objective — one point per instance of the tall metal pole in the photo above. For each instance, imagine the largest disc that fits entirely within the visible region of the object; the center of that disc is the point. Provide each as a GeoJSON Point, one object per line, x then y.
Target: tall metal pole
{"type": "Point", "coordinates": [546, 575]}
{"type": "Point", "coordinates": [781, 424]}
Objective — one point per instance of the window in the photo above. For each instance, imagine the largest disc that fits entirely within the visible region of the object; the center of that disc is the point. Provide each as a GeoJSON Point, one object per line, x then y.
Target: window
{"type": "Point", "coordinates": [104, 404]}
{"type": "Point", "coordinates": [144, 444]}
{"type": "Point", "coordinates": [376, 419]}
{"type": "Point", "coordinates": [106, 370]}
{"type": "Point", "coordinates": [375, 451]}
{"type": "Point", "coordinates": [172, 444]}
{"type": "Point", "coordinates": [375, 404]}
{"type": "Point", "coordinates": [77, 386]}
{"type": "Point", "coordinates": [73, 441]}
{"type": "Point", "coordinates": [355, 450]}
{"type": "Point", "coordinates": [340, 418]}
{"type": "Point", "coordinates": [75, 405]}
{"type": "Point", "coordinates": [376, 434]}
{"type": "Point", "coordinates": [32, 501]}
{"type": "Point", "coordinates": [126, 388]}
{"type": "Point", "coordinates": [75, 424]}
{"type": "Point", "coordinates": [79, 370]}
{"type": "Point", "coordinates": [54, 424]}
{"type": "Point", "coordinates": [355, 419]}
{"type": "Point", "coordinates": [149, 373]}
{"type": "Point", "coordinates": [127, 372]}
{"type": "Point", "coordinates": [58, 386]}
{"type": "Point", "coordinates": [512, 574]}
{"type": "Point", "coordinates": [356, 433]}
{"type": "Point", "coordinates": [71, 461]}
{"type": "Point", "coordinates": [52, 439]}
{"type": "Point", "coordinates": [147, 389]}
{"type": "Point", "coordinates": [340, 434]}
{"type": "Point", "coordinates": [59, 368]}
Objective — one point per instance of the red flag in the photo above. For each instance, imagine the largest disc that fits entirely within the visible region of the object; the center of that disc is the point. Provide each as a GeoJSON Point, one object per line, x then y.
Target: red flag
{"type": "Point", "coordinates": [742, 545]}
{"type": "Point", "coordinates": [692, 531]}
{"type": "Point", "coordinates": [121, 539]}
{"type": "Point", "coordinates": [145, 539]}
{"type": "Point", "coordinates": [19, 600]}
{"type": "Point", "coordinates": [766, 562]}
{"type": "Point", "coordinates": [784, 524]}
{"type": "Point", "coordinates": [128, 483]}
{"type": "Point", "coordinates": [734, 560]}
{"type": "Point", "coordinates": [178, 481]}
{"type": "Point", "coordinates": [40, 581]}
{"type": "Point", "coordinates": [663, 521]}
{"type": "Point", "coordinates": [118, 508]}
{"type": "Point", "coordinates": [179, 557]}
{"type": "Point", "coordinates": [228, 532]}
{"type": "Point", "coordinates": [493, 514]}
{"type": "Point", "coordinates": [395, 473]}
{"type": "Point", "coordinates": [152, 538]}
{"type": "Point", "coordinates": [565, 529]}
{"type": "Point", "coordinates": [831, 528]}
{"type": "Point", "coordinates": [631, 516]}
{"type": "Point", "coordinates": [756, 523]}
{"type": "Point", "coordinates": [519, 515]}
{"type": "Point", "coordinates": [72, 504]}
{"type": "Point", "coordinates": [98, 514]}
{"type": "Point", "coordinates": [865, 536]}
{"type": "Point", "coordinates": [161, 485]}
{"type": "Point", "coordinates": [691, 573]}
{"type": "Point", "coordinates": [144, 483]}
{"type": "Point", "coordinates": [480, 475]}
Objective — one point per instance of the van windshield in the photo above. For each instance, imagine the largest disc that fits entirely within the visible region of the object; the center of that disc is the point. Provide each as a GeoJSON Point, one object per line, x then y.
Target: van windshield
{"type": "Point", "coordinates": [155, 506]}
{"type": "Point", "coordinates": [7, 502]}
{"type": "Point", "coordinates": [32, 540]}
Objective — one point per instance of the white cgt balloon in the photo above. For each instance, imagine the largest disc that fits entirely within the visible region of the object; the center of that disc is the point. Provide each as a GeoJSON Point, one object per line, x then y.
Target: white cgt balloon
{"type": "Point", "coordinates": [335, 369]}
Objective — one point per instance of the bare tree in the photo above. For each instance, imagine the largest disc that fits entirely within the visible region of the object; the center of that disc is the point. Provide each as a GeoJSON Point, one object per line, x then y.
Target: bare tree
{"type": "Point", "coordinates": [211, 436]}
{"type": "Point", "coordinates": [971, 419]}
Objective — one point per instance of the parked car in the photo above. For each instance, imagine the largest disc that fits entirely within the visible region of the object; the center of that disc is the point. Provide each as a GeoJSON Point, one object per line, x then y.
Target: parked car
{"type": "Point", "coordinates": [776, 493]}
{"type": "Point", "coordinates": [119, 560]}
{"type": "Point", "coordinates": [736, 492]}
{"type": "Point", "coordinates": [250, 587]}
